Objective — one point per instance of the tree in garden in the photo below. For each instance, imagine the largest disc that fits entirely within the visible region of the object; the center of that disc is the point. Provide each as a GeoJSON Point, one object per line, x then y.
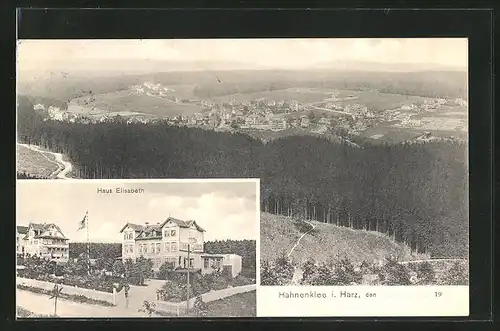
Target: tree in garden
{"type": "Point", "coordinates": [200, 307]}
{"type": "Point", "coordinates": [118, 268]}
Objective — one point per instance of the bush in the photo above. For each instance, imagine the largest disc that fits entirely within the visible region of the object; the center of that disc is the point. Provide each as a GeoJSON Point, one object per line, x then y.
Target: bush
{"type": "Point", "coordinates": [137, 272]}
{"type": "Point", "coordinates": [309, 269]}
{"type": "Point", "coordinates": [394, 273]}
{"type": "Point", "coordinates": [345, 273]}
{"type": "Point", "coordinates": [200, 307]}
{"type": "Point", "coordinates": [118, 268]}
{"type": "Point", "coordinates": [425, 274]}
{"type": "Point", "coordinates": [166, 271]}
{"type": "Point", "coordinates": [322, 275]}
{"type": "Point", "coordinates": [278, 273]}
{"type": "Point", "coordinates": [458, 274]}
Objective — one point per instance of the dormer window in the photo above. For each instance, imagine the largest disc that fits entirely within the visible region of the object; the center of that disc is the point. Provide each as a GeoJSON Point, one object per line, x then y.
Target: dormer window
{"type": "Point", "coordinates": [144, 234]}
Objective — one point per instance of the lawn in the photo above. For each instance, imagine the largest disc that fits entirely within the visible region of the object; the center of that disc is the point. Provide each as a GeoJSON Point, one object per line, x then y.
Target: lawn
{"type": "Point", "coordinates": [239, 305]}
{"type": "Point", "coordinates": [22, 313]}
{"type": "Point", "coordinates": [35, 163]}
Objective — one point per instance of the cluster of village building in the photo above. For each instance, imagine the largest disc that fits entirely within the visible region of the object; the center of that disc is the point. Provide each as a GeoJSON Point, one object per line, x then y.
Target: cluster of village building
{"type": "Point", "coordinates": [264, 114]}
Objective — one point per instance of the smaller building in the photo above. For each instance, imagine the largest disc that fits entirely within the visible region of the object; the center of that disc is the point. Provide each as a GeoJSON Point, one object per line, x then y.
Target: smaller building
{"type": "Point", "coordinates": [219, 262]}
{"type": "Point", "coordinates": [46, 241]}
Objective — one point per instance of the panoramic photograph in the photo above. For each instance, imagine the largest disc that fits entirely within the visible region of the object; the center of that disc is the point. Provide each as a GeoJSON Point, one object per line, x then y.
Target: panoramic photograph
{"type": "Point", "coordinates": [113, 249]}
{"type": "Point", "coordinates": [360, 144]}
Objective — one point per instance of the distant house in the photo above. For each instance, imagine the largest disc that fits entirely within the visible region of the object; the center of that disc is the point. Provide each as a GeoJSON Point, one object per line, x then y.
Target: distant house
{"type": "Point", "coordinates": [169, 241]}
{"type": "Point", "coordinates": [278, 124]}
{"type": "Point", "coordinates": [252, 120]}
{"type": "Point", "coordinates": [46, 240]}
{"type": "Point", "coordinates": [408, 107]}
{"type": "Point", "coordinates": [39, 106]}
{"type": "Point", "coordinates": [304, 121]}
{"type": "Point", "coordinates": [461, 102]}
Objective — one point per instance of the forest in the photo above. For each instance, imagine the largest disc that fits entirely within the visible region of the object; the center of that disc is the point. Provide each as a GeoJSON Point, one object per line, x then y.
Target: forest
{"type": "Point", "coordinates": [416, 193]}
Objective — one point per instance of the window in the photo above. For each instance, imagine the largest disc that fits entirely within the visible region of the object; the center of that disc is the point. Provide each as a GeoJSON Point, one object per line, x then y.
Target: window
{"type": "Point", "coordinates": [205, 263]}
{"type": "Point", "coordinates": [172, 233]}
{"type": "Point", "coordinates": [166, 233]}
{"type": "Point", "coordinates": [158, 248]}
{"type": "Point", "coordinates": [173, 247]}
{"type": "Point", "coordinates": [167, 247]}
{"type": "Point", "coordinates": [152, 248]}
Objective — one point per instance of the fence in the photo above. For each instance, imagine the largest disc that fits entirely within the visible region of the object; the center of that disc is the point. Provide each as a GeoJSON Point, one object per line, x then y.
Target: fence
{"type": "Point", "coordinates": [71, 290]}
{"type": "Point", "coordinates": [177, 307]}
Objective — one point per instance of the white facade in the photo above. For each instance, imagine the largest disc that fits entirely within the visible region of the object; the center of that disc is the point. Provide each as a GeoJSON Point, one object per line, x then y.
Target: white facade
{"type": "Point", "coordinates": [46, 240]}
{"type": "Point", "coordinates": [169, 242]}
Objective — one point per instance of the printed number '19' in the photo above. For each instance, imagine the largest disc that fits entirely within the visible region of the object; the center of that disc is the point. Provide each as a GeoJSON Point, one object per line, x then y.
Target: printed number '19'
{"type": "Point", "coordinates": [438, 294]}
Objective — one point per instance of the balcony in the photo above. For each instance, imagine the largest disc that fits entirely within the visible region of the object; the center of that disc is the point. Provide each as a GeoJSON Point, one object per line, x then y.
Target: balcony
{"type": "Point", "coordinates": [63, 246]}
{"type": "Point", "coordinates": [193, 247]}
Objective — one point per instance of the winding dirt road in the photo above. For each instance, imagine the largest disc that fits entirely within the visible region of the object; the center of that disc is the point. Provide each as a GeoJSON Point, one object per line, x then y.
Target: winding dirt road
{"type": "Point", "coordinates": [63, 167]}
{"type": "Point", "coordinates": [297, 275]}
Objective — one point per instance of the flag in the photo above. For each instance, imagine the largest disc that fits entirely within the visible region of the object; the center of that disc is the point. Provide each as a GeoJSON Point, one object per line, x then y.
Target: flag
{"type": "Point", "coordinates": [83, 223]}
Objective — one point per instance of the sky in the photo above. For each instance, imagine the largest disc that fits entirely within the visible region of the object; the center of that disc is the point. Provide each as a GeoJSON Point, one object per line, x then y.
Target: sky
{"type": "Point", "coordinates": [240, 53]}
{"type": "Point", "coordinates": [226, 210]}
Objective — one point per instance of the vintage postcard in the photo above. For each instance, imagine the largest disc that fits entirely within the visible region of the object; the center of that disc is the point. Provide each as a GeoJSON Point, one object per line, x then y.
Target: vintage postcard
{"type": "Point", "coordinates": [136, 248]}
{"type": "Point", "coordinates": [360, 145]}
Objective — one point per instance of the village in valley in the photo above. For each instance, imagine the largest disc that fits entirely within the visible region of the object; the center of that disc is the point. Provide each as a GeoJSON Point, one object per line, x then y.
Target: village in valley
{"type": "Point", "coordinates": [342, 112]}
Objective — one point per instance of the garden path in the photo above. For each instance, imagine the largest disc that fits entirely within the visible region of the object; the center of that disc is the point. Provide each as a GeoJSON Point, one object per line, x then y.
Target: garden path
{"type": "Point", "coordinates": [41, 305]}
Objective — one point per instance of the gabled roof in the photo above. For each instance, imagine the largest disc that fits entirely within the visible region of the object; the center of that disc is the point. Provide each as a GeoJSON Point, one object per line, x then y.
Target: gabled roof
{"type": "Point", "coordinates": [135, 227]}
{"type": "Point", "coordinates": [148, 229]}
{"type": "Point", "coordinates": [43, 227]}
{"type": "Point", "coordinates": [182, 224]}
{"type": "Point", "coordinates": [22, 229]}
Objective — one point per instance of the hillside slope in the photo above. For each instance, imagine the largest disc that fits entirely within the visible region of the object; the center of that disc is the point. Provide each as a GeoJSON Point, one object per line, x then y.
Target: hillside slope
{"type": "Point", "coordinates": [326, 242]}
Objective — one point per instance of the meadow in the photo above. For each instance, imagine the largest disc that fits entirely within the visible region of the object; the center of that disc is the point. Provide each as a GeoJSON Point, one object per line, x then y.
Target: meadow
{"type": "Point", "coordinates": [128, 101]}
{"type": "Point", "coordinates": [35, 163]}
{"type": "Point", "coordinates": [302, 95]}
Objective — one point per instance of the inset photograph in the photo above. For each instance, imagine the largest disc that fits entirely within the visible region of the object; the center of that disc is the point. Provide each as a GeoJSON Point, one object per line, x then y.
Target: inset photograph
{"type": "Point", "coordinates": [136, 248]}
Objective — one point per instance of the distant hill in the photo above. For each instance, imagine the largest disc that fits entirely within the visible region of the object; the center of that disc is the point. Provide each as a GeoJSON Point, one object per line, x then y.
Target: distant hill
{"type": "Point", "coordinates": [325, 243]}
{"type": "Point", "coordinates": [210, 83]}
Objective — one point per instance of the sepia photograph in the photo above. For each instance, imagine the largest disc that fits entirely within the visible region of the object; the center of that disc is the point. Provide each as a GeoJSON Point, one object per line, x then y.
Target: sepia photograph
{"type": "Point", "coordinates": [115, 249]}
{"type": "Point", "coordinates": [360, 145]}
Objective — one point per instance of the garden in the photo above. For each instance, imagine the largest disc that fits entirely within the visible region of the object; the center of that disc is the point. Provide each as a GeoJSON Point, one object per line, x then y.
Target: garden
{"type": "Point", "coordinates": [175, 287]}
{"type": "Point", "coordinates": [100, 275]}
{"type": "Point", "coordinates": [344, 272]}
